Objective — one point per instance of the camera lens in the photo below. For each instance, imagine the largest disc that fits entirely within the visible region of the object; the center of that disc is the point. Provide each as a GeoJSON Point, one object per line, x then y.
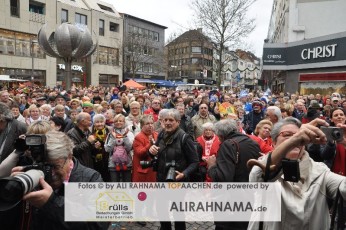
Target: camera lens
{"type": "Point", "coordinates": [336, 135]}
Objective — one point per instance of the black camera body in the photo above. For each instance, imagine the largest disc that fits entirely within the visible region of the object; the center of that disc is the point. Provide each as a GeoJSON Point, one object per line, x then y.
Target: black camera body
{"type": "Point", "coordinates": [290, 170]}
{"type": "Point", "coordinates": [333, 133]}
{"type": "Point", "coordinates": [13, 188]}
{"type": "Point", "coordinates": [171, 171]}
{"type": "Point", "coordinates": [152, 163]}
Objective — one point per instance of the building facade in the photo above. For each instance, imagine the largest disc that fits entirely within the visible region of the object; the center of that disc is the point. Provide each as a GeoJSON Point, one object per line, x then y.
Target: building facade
{"type": "Point", "coordinates": [304, 50]}
{"type": "Point", "coordinates": [143, 49]}
{"type": "Point", "coordinates": [21, 57]}
{"type": "Point", "coordinates": [242, 71]}
{"type": "Point", "coordinates": [190, 58]}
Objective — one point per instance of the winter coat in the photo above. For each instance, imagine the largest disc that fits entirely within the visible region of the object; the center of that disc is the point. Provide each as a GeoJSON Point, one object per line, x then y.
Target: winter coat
{"type": "Point", "coordinates": [306, 208]}
{"type": "Point", "coordinates": [111, 143]}
{"type": "Point", "coordinates": [141, 146]}
{"type": "Point", "coordinates": [227, 169]}
{"type": "Point", "coordinates": [82, 147]}
{"type": "Point", "coordinates": [16, 129]}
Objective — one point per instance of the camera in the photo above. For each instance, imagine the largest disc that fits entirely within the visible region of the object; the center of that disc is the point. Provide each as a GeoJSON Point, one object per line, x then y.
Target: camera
{"type": "Point", "coordinates": [171, 171]}
{"type": "Point", "coordinates": [148, 164]}
{"type": "Point", "coordinates": [13, 188]}
{"type": "Point", "coordinates": [333, 133]}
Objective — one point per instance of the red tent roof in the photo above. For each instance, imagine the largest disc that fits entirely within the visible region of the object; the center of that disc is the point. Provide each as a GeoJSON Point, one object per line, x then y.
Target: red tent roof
{"type": "Point", "coordinates": [133, 84]}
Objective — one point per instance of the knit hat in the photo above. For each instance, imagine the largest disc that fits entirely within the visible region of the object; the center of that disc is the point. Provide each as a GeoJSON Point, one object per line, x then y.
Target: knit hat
{"type": "Point", "coordinates": [88, 104]}
{"type": "Point", "coordinates": [257, 102]}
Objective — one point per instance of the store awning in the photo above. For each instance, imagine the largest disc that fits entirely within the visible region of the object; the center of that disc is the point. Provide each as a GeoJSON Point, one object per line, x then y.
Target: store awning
{"type": "Point", "coordinates": [7, 78]}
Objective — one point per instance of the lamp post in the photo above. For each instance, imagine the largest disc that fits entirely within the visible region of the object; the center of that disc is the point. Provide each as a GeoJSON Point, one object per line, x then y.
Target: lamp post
{"type": "Point", "coordinates": [173, 68]}
{"type": "Point", "coordinates": [32, 42]}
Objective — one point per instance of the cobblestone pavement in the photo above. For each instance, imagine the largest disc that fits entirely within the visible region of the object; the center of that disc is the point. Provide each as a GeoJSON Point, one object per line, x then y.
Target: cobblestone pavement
{"type": "Point", "coordinates": [156, 226]}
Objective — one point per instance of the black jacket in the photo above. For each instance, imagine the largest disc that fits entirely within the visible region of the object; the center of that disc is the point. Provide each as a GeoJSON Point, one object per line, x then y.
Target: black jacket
{"type": "Point", "coordinates": [83, 148]}
{"type": "Point", "coordinates": [229, 169]}
{"type": "Point", "coordinates": [251, 120]}
{"type": "Point", "coordinates": [17, 128]}
{"type": "Point", "coordinates": [182, 152]}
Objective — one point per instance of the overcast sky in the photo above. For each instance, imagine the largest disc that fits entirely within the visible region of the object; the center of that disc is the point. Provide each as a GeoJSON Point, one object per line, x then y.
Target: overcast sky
{"type": "Point", "coordinates": [177, 16]}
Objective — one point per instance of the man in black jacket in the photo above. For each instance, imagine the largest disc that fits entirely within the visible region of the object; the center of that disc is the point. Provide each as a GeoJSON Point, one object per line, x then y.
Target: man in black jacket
{"type": "Point", "coordinates": [84, 142]}
{"type": "Point", "coordinates": [175, 149]}
{"type": "Point", "coordinates": [254, 117]}
{"type": "Point", "coordinates": [230, 164]}
{"type": "Point", "coordinates": [10, 130]}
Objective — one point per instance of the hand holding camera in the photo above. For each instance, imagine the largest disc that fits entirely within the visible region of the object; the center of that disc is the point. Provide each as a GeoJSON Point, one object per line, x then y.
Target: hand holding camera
{"type": "Point", "coordinates": [40, 197]}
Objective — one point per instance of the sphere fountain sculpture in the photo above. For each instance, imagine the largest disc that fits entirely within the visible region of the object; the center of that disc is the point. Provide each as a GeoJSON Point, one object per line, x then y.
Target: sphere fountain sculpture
{"type": "Point", "coordinates": [69, 42]}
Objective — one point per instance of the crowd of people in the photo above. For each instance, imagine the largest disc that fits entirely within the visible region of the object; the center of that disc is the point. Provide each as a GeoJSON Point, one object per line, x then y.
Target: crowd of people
{"type": "Point", "coordinates": [205, 135]}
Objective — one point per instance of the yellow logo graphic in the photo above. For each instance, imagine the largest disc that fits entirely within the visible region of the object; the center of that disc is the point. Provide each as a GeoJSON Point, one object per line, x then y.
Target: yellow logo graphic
{"type": "Point", "coordinates": [114, 201]}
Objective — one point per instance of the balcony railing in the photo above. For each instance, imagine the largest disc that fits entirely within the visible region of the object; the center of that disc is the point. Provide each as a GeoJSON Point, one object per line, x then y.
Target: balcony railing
{"type": "Point", "coordinates": [35, 17]}
{"type": "Point", "coordinates": [14, 11]}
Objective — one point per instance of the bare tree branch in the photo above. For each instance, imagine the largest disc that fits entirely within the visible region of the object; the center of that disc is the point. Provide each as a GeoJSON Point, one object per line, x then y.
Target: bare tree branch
{"type": "Point", "coordinates": [226, 23]}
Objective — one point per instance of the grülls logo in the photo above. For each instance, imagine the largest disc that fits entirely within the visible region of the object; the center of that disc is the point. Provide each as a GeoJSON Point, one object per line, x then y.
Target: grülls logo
{"type": "Point", "coordinates": [118, 207]}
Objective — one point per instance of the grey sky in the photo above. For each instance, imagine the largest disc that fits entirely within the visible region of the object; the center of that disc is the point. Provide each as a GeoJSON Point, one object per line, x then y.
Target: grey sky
{"type": "Point", "coordinates": [177, 16]}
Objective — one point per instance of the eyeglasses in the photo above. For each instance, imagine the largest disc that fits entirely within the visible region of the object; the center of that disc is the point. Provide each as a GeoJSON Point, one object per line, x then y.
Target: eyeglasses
{"type": "Point", "coordinates": [286, 134]}
{"type": "Point", "coordinates": [57, 167]}
{"type": "Point", "coordinates": [134, 108]}
{"type": "Point", "coordinates": [154, 103]}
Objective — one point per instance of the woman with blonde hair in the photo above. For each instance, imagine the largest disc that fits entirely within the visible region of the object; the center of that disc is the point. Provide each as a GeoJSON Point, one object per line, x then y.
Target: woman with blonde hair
{"type": "Point", "coordinates": [132, 120]}
{"type": "Point", "coordinates": [46, 111]}
{"type": "Point", "coordinates": [262, 135]}
{"type": "Point", "coordinates": [119, 145]}
{"type": "Point", "coordinates": [34, 114]}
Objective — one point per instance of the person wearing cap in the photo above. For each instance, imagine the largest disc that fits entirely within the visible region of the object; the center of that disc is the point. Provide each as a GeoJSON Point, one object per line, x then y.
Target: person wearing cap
{"type": "Point", "coordinates": [114, 94]}
{"type": "Point", "coordinates": [88, 107]}
{"type": "Point", "coordinates": [254, 117]}
{"type": "Point", "coordinates": [41, 101]}
{"type": "Point", "coordinates": [335, 102]}
{"type": "Point", "coordinates": [314, 111]}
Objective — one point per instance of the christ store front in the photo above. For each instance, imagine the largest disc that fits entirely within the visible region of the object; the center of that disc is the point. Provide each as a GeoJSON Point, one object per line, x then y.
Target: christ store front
{"type": "Point", "coordinates": [315, 65]}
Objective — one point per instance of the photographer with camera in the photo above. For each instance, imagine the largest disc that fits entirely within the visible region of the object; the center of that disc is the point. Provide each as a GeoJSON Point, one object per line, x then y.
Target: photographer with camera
{"type": "Point", "coordinates": [305, 184]}
{"type": "Point", "coordinates": [58, 166]}
{"type": "Point", "coordinates": [176, 155]}
{"type": "Point", "coordinates": [334, 152]}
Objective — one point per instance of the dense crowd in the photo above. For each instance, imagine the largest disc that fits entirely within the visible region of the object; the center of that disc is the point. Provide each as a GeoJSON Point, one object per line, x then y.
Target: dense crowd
{"type": "Point", "coordinates": [114, 129]}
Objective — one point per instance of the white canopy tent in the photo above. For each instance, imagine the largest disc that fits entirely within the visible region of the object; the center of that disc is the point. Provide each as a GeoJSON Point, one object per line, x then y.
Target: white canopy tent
{"type": "Point", "coordinates": [7, 78]}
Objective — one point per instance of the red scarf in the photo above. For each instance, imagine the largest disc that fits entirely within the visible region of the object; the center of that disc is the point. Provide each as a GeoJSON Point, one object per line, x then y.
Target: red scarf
{"type": "Point", "coordinates": [340, 160]}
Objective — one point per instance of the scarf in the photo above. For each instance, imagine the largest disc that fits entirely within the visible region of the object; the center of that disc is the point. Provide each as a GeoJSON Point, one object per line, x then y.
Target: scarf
{"type": "Point", "coordinates": [339, 160]}
{"type": "Point", "coordinates": [100, 135]}
{"type": "Point", "coordinates": [208, 144]}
